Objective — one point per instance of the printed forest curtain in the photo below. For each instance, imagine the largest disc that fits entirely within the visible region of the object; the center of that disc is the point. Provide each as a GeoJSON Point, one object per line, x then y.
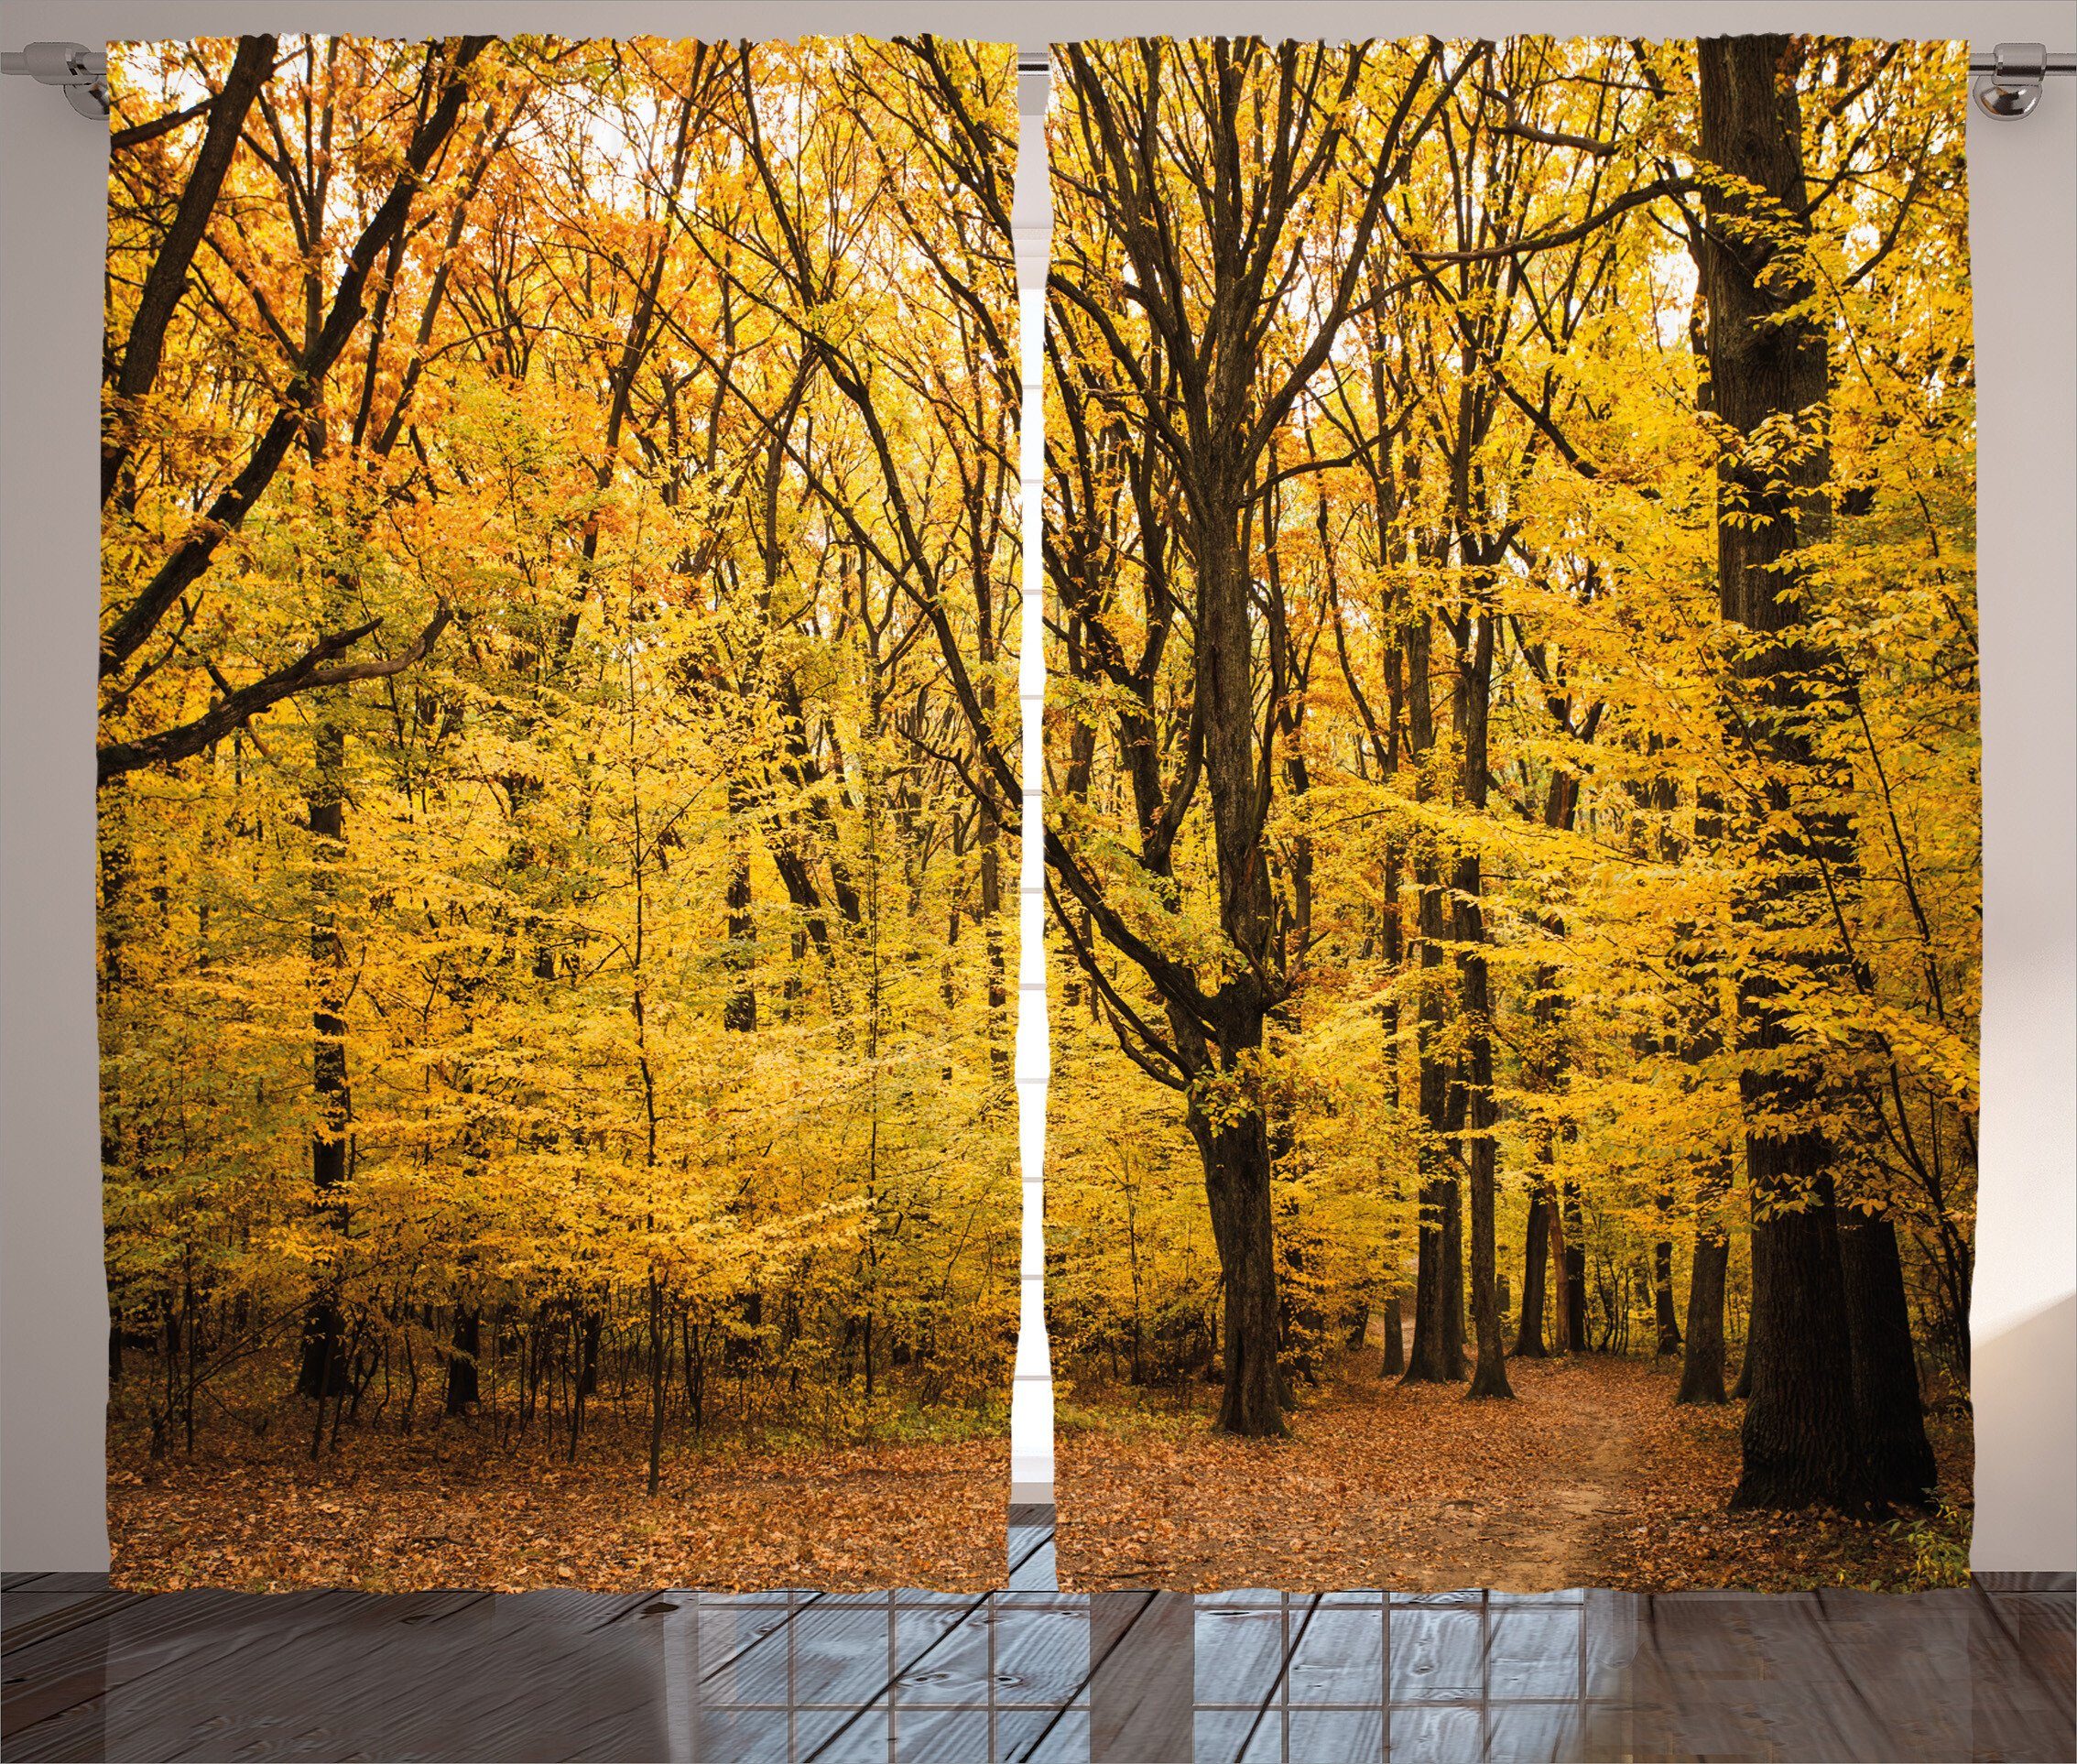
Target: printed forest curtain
{"type": "Point", "coordinates": [1513, 822]}
{"type": "Point", "coordinates": [559, 578]}
{"type": "Point", "coordinates": [1510, 799]}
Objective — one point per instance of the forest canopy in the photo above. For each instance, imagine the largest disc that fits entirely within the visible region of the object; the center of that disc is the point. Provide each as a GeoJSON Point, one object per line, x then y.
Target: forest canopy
{"type": "Point", "coordinates": [1512, 755]}
{"type": "Point", "coordinates": [560, 506]}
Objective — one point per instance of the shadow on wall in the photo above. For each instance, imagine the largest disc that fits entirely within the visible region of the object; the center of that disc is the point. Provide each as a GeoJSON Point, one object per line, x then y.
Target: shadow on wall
{"type": "Point", "coordinates": [2026, 1502]}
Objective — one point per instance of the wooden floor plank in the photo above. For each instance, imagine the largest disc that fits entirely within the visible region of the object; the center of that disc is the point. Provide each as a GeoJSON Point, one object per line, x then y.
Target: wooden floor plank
{"type": "Point", "coordinates": [1981, 1673]}
{"type": "Point", "coordinates": [35, 1615]}
{"type": "Point", "coordinates": [1805, 1676]}
{"type": "Point", "coordinates": [1031, 1564]}
{"type": "Point", "coordinates": [1143, 1677]}
{"type": "Point", "coordinates": [520, 1678]}
{"type": "Point", "coordinates": [2030, 1633]}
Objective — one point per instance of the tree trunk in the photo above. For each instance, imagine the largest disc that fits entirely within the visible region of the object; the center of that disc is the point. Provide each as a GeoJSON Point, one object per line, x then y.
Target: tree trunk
{"type": "Point", "coordinates": [1455, 1331]}
{"type": "Point", "coordinates": [1426, 1361]}
{"type": "Point", "coordinates": [1536, 1251]}
{"type": "Point", "coordinates": [1701, 1363]}
{"type": "Point", "coordinates": [1562, 1284]}
{"type": "Point", "coordinates": [1433, 1358]}
{"type": "Point", "coordinates": [660, 1347]}
{"type": "Point", "coordinates": [319, 1372]}
{"type": "Point", "coordinates": [464, 1381]}
{"type": "Point", "coordinates": [1429, 1358]}
{"type": "Point", "coordinates": [741, 1351]}
{"type": "Point", "coordinates": [1801, 1441]}
{"type": "Point", "coordinates": [168, 279]}
{"type": "Point", "coordinates": [739, 1011]}
{"type": "Point", "coordinates": [1767, 371]}
{"type": "Point", "coordinates": [1744, 1387]}
{"type": "Point", "coordinates": [1001, 1032]}
{"type": "Point", "coordinates": [592, 1326]}
{"type": "Point", "coordinates": [1395, 1338]}
{"type": "Point", "coordinates": [1237, 1186]}
{"type": "Point", "coordinates": [1573, 1250]}
{"type": "Point", "coordinates": [1665, 1318]}
{"type": "Point", "coordinates": [1489, 1376]}
{"type": "Point", "coordinates": [1886, 1371]}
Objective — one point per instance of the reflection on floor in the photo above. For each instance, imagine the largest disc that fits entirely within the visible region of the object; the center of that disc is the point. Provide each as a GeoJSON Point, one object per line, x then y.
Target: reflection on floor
{"type": "Point", "coordinates": [914, 1678]}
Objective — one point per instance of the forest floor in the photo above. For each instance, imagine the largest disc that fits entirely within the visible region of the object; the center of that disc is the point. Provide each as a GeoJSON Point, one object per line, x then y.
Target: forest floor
{"type": "Point", "coordinates": [448, 1505]}
{"type": "Point", "coordinates": [1591, 1477]}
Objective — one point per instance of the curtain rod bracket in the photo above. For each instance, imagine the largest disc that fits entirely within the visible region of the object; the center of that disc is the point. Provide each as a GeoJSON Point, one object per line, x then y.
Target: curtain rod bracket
{"type": "Point", "coordinates": [79, 72]}
{"type": "Point", "coordinates": [2008, 81]}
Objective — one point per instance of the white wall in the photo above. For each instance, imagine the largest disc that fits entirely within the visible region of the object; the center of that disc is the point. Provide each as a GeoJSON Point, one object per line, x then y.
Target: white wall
{"type": "Point", "coordinates": [2024, 240]}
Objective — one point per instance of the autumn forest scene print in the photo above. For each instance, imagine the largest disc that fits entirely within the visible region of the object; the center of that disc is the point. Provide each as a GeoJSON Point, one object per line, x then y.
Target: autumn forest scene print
{"type": "Point", "coordinates": [558, 784]}
{"type": "Point", "coordinates": [1512, 814]}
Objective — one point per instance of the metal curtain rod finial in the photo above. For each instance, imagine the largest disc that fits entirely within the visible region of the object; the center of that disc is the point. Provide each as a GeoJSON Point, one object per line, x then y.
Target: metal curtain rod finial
{"type": "Point", "coordinates": [81, 72]}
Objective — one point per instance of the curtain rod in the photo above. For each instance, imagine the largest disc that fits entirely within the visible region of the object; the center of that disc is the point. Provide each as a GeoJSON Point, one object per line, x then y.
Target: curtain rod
{"type": "Point", "coordinates": [2009, 78]}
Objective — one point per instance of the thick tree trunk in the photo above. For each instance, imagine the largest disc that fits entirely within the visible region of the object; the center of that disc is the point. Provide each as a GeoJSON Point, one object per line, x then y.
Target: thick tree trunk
{"type": "Point", "coordinates": [1426, 1361]}
{"type": "Point", "coordinates": [1536, 1251]}
{"type": "Point", "coordinates": [1701, 1362]}
{"type": "Point", "coordinates": [1471, 702]}
{"type": "Point", "coordinates": [1236, 1186]}
{"type": "Point", "coordinates": [1886, 1372]}
{"type": "Point", "coordinates": [1236, 1151]}
{"type": "Point", "coordinates": [1489, 1374]}
{"type": "Point", "coordinates": [464, 1382]}
{"type": "Point", "coordinates": [1665, 1319]}
{"type": "Point", "coordinates": [1802, 1440]}
{"type": "Point", "coordinates": [1767, 373]}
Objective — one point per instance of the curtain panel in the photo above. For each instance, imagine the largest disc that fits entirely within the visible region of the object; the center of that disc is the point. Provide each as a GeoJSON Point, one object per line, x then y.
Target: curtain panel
{"type": "Point", "coordinates": [557, 712]}
{"type": "Point", "coordinates": [1514, 818]}
{"type": "Point", "coordinates": [1510, 802]}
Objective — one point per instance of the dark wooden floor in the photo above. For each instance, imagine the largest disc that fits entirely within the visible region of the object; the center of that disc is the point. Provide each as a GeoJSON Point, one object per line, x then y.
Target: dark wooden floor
{"type": "Point", "coordinates": [1028, 1673]}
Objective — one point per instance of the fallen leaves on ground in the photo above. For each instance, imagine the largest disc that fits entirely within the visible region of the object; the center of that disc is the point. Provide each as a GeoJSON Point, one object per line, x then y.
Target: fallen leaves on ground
{"type": "Point", "coordinates": [1674, 1529]}
{"type": "Point", "coordinates": [1591, 1477]}
{"type": "Point", "coordinates": [448, 1508]}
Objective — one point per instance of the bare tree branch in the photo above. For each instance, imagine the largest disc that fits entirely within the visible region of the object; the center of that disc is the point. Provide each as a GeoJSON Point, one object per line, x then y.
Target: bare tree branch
{"type": "Point", "coordinates": [307, 673]}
